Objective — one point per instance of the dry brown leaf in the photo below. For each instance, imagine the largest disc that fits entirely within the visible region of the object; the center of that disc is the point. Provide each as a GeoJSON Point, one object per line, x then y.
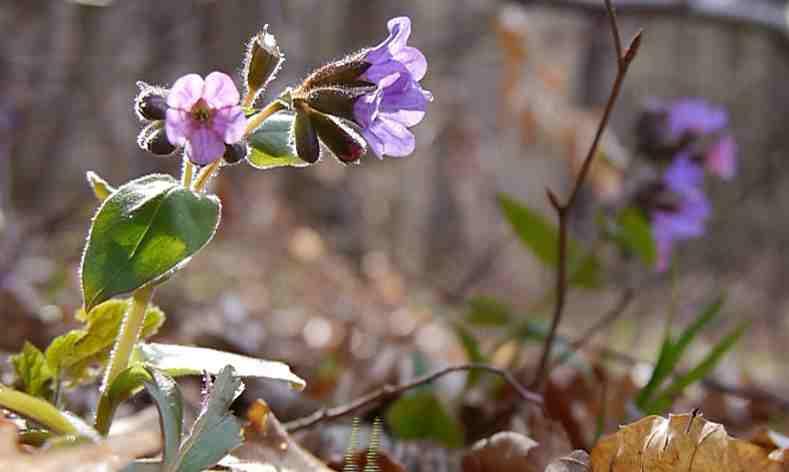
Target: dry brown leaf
{"type": "Point", "coordinates": [681, 442]}
{"type": "Point", "coordinates": [383, 461]}
{"type": "Point", "coordinates": [576, 461]}
{"type": "Point", "coordinates": [506, 452]}
{"type": "Point", "coordinates": [110, 455]}
{"type": "Point", "coordinates": [267, 446]}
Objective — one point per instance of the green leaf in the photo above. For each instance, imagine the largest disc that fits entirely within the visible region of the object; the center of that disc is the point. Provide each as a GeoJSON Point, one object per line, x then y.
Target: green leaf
{"type": "Point", "coordinates": [272, 145]}
{"type": "Point", "coordinates": [168, 400]}
{"type": "Point", "coordinates": [186, 360]}
{"type": "Point", "coordinates": [101, 189]}
{"type": "Point", "coordinates": [671, 352]}
{"type": "Point", "coordinates": [126, 384]}
{"type": "Point", "coordinates": [73, 353]}
{"type": "Point", "coordinates": [45, 414]}
{"type": "Point", "coordinates": [421, 415]}
{"type": "Point", "coordinates": [635, 235]}
{"type": "Point", "coordinates": [216, 431]}
{"type": "Point", "coordinates": [542, 237]}
{"type": "Point", "coordinates": [487, 311]}
{"type": "Point", "coordinates": [145, 230]}
{"type": "Point", "coordinates": [473, 352]}
{"type": "Point", "coordinates": [666, 398]}
{"type": "Point", "coordinates": [533, 230]}
{"type": "Point", "coordinates": [31, 368]}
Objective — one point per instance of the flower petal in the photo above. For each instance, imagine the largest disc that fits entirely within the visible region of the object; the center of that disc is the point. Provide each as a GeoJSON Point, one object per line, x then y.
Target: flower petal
{"type": "Point", "coordinates": [230, 123]}
{"type": "Point", "coordinates": [185, 92]}
{"type": "Point", "coordinates": [397, 140]}
{"type": "Point", "coordinates": [365, 109]}
{"type": "Point", "coordinates": [722, 158]}
{"type": "Point", "coordinates": [399, 32]}
{"type": "Point", "coordinates": [204, 146]}
{"type": "Point", "coordinates": [375, 143]}
{"type": "Point", "coordinates": [178, 125]}
{"type": "Point", "coordinates": [695, 116]}
{"type": "Point", "coordinates": [414, 61]}
{"type": "Point", "coordinates": [220, 91]}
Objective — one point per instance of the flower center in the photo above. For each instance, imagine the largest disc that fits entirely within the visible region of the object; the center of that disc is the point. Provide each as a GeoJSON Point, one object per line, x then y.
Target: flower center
{"type": "Point", "coordinates": [201, 112]}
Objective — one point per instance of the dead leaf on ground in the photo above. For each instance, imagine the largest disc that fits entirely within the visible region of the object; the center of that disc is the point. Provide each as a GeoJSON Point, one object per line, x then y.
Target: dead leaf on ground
{"type": "Point", "coordinates": [109, 455]}
{"type": "Point", "coordinates": [681, 442]}
{"type": "Point", "coordinates": [576, 461]}
{"type": "Point", "coordinates": [383, 462]}
{"type": "Point", "coordinates": [268, 446]}
{"type": "Point", "coordinates": [509, 451]}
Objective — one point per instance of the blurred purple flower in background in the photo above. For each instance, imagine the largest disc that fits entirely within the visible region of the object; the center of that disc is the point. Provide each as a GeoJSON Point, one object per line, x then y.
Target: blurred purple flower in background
{"type": "Point", "coordinates": [204, 115]}
{"type": "Point", "coordinates": [399, 101]}
{"type": "Point", "coordinates": [681, 211]}
{"type": "Point", "coordinates": [690, 120]}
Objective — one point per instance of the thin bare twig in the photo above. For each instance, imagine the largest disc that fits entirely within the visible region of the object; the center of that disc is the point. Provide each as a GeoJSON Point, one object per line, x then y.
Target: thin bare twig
{"type": "Point", "coordinates": [391, 392]}
{"type": "Point", "coordinates": [624, 301]}
{"type": "Point", "coordinates": [623, 60]}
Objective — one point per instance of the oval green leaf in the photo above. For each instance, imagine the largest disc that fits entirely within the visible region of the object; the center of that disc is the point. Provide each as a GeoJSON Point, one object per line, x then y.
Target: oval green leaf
{"type": "Point", "coordinates": [272, 145]}
{"type": "Point", "coordinates": [142, 232]}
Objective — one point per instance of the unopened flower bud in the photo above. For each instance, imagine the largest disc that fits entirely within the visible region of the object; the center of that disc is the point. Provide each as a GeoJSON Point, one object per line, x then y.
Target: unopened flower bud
{"type": "Point", "coordinates": [153, 139]}
{"type": "Point", "coordinates": [235, 153]}
{"type": "Point", "coordinates": [346, 72]}
{"type": "Point", "coordinates": [345, 143]}
{"type": "Point", "coordinates": [263, 61]}
{"type": "Point", "coordinates": [336, 101]}
{"type": "Point", "coordinates": [304, 136]}
{"type": "Point", "coordinates": [151, 103]}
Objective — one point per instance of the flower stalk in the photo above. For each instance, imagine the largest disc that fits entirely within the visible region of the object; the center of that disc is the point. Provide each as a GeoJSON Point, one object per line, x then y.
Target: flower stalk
{"type": "Point", "coordinates": [127, 337]}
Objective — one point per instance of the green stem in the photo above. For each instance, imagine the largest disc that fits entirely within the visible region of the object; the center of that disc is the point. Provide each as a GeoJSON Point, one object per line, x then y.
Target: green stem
{"type": "Point", "coordinates": [187, 172]}
{"type": "Point", "coordinates": [36, 409]}
{"type": "Point", "coordinates": [205, 175]}
{"type": "Point", "coordinates": [256, 120]}
{"type": "Point", "coordinates": [127, 339]}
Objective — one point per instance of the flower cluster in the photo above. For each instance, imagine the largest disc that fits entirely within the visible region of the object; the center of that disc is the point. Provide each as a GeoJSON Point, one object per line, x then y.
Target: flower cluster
{"type": "Point", "coordinates": [368, 100]}
{"type": "Point", "coordinates": [692, 136]}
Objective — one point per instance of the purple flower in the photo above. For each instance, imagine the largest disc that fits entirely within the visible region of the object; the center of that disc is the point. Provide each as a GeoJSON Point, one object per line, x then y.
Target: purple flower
{"type": "Point", "coordinates": [682, 210]}
{"type": "Point", "coordinates": [695, 118]}
{"type": "Point", "coordinates": [204, 115]}
{"type": "Point", "coordinates": [398, 101]}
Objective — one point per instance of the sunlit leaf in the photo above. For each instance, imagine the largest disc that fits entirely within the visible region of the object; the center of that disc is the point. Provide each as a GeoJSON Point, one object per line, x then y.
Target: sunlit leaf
{"type": "Point", "coordinates": [635, 235]}
{"type": "Point", "coordinates": [216, 431]}
{"type": "Point", "coordinates": [31, 368]}
{"type": "Point", "coordinates": [186, 360]}
{"type": "Point", "coordinates": [145, 230]}
{"type": "Point", "coordinates": [272, 144]}
{"type": "Point", "coordinates": [167, 398]}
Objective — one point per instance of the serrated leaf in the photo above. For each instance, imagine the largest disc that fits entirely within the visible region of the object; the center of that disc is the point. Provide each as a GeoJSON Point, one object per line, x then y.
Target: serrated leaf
{"type": "Point", "coordinates": [168, 400]}
{"type": "Point", "coordinates": [74, 352]}
{"type": "Point", "coordinates": [487, 311]}
{"type": "Point", "coordinates": [542, 237]}
{"type": "Point", "coordinates": [272, 144]}
{"type": "Point", "coordinates": [421, 415]}
{"type": "Point", "coordinates": [32, 370]}
{"type": "Point", "coordinates": [635, 235]}
{"type": "Point", "coordinates": [216, 431]}
{"type": "Point", "coordinates": [141, 233]}
{"type": "Point", "coordinates": [187, 360]}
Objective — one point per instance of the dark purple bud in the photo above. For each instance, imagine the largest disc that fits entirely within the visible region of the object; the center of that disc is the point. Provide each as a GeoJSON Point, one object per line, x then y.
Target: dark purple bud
{"type": "Point", "coordinates": [306, 139]}
{"type": "Point", "coordinates": [346, 72]}
{"type": "Point", "coordinates": [345, 143]}
{"type": "Point", "coordinates": [153, 139]}
{"type": "Point", "coordinates": [263, 60]}
{"type": "Point", "coordinates": [151, 103]}
{"type": "Point", "coordinates": [235, 153]}
{"type": "Point", "coordinates": [336, 101]}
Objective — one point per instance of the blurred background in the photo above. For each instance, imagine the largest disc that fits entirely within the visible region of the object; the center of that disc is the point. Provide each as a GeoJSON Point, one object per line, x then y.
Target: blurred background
{"type": "Point", "coordinates": [331, 267]}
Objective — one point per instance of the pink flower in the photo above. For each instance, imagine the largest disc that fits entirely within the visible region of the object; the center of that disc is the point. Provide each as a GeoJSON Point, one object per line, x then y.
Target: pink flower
{"type": "Point", "coordinates": [204, 115]}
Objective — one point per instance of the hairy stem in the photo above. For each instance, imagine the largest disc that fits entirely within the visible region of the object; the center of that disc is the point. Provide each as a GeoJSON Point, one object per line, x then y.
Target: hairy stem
{"type": "Point", "coordinates": [127, 338]}
{"type": "Point", "coordinates": [187, 172]}
{"type": "Point", "coordinates": [256, 120]}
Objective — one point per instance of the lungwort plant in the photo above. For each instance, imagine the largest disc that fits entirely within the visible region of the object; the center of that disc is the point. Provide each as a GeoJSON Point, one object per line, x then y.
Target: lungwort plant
{"type": "Point", "coordinates": [146, 230]}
